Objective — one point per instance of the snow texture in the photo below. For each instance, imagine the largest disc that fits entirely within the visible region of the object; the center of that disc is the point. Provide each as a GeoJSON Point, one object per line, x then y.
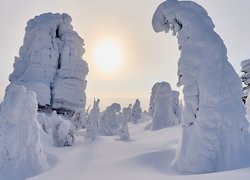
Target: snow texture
{"type": "Point", "coordinates": [111, 120]}
{"type": "Point", "coordinates": [21, 150]}
{"type": "Point", "coordinates": [245, 78]}
{"type": "Point", "coordinates": [50, 63]}
{"type": "Point", "coordinates": [215, 136]}
{"type": "Point", "coordinates": [93, 121]}
{"type": "Point", "coordinates": [136, 111]}
{"type": "Point", "coordinates": [165, 106]}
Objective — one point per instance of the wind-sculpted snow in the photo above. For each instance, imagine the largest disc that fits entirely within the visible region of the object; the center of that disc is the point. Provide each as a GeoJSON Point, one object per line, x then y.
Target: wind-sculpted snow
{"type": "Point", "coordinates": [215, 128]}
{"type": "Point", "coordinates": [21, 150]}
{"type": "Point", "coordinates": [50, 63]}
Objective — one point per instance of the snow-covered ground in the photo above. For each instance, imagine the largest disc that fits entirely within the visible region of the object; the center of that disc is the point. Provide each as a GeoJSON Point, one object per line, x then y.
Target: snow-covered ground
{"type": "Point", "coordinates": [147, 156]}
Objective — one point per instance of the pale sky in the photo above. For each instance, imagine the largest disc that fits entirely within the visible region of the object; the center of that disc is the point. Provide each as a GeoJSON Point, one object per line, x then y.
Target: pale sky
{"type": "Point", "coordinates": [148, 57]}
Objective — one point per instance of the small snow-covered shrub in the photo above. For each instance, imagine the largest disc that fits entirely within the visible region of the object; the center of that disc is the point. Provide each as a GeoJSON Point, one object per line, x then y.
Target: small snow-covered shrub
{"type": "Point", "coordinates": [124, 132]}
{"type": "Point", "coordinates": [79, 118]}
{"type": "Point", "coordinates": [43, 121]}
{"type": "Point", "coordinates": [127, 112]}
{"type": "Point", "coordinates": [63, 131]}
{"type": "Point", "coordinates": [110, 121]}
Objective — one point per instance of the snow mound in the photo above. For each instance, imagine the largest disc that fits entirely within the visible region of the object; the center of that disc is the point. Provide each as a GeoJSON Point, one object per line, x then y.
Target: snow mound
{"type": "Point", "coordinates": [50, 64]}
{"type": "Point", "coordinates": [215, 135]}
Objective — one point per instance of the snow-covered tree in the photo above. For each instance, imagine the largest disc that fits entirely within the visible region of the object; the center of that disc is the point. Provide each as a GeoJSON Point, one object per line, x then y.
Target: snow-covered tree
{"type": "Point", "coordinates": [79, 118]}
{"type": "Point", "coordinates": [151, 108]}
{"type": "Point", "coordinates": [136, 111]}
{"type": "Point", "coordinates": [50, 64]}
{"type": "Point", "coordinates": [21, 149]}
{"type": "Point", "coordinates": [176, 106]}
{"type": "Point", "coordinates": [93, 121]}
{"type": "Point", "coordinates": [127, 112]}
{"type": "Point", "coordinates": [43, 121]}
{"type": "Point", "coordinates": [245, 78]}
{"type": "Point", "coordinates": [163, 112]}
{"type": "Point", "coordinates": [110, 120]}
{"type": "Point", "coordinates": [124, 132]}
{"type": "Point", "coordinates": [63, 131]}
{"type": "Point", "coordinates": [215, 128]}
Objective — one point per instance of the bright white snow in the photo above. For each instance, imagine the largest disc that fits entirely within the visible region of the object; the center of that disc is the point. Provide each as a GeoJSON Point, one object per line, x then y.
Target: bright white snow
{"type": "Point", "coordinates": [215, 135]}
{"type": "Point", "coordinates": [21, 152]}
{"type": "Point", "coordinates": [164, 106]}
{"type": "Point", "coordinates": [147, 156]}
{"type": "Point", "coordinates": [50, 63]}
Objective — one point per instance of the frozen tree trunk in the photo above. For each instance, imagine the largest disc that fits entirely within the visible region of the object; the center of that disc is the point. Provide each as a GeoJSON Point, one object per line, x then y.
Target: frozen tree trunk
{"type": "Point", "coordinates": [93, 121]}
{"type": "Point", "coordinates": [215, 133]}
{"type": "Point", "coordinates": [136, 111]}
{"type": "Point", "coordinates": [21, 149]}
{"type": "Point", "coordinates": [50, 64]}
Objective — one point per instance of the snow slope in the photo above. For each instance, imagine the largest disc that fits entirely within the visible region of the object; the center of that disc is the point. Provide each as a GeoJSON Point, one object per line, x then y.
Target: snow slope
{"type": "Point", "coordinates": [147, 156]}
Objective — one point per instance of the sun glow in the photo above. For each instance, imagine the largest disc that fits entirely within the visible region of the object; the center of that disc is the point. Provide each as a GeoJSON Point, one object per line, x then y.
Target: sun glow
{"type": "Point", "coordinates": [107, 55]}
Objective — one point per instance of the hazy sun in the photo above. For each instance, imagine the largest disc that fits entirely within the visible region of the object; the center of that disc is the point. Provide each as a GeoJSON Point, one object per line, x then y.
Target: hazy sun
{"type": "Point", "coordinates": [107, 55]}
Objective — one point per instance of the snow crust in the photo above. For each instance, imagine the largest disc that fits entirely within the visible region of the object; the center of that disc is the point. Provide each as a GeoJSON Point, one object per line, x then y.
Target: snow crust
{"type": "Point", "coordinates": [21, 152]}
{"type": "Point", "coordinates": [50, 63]}
{"type": "Point", "coordinates": [215, 136]}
